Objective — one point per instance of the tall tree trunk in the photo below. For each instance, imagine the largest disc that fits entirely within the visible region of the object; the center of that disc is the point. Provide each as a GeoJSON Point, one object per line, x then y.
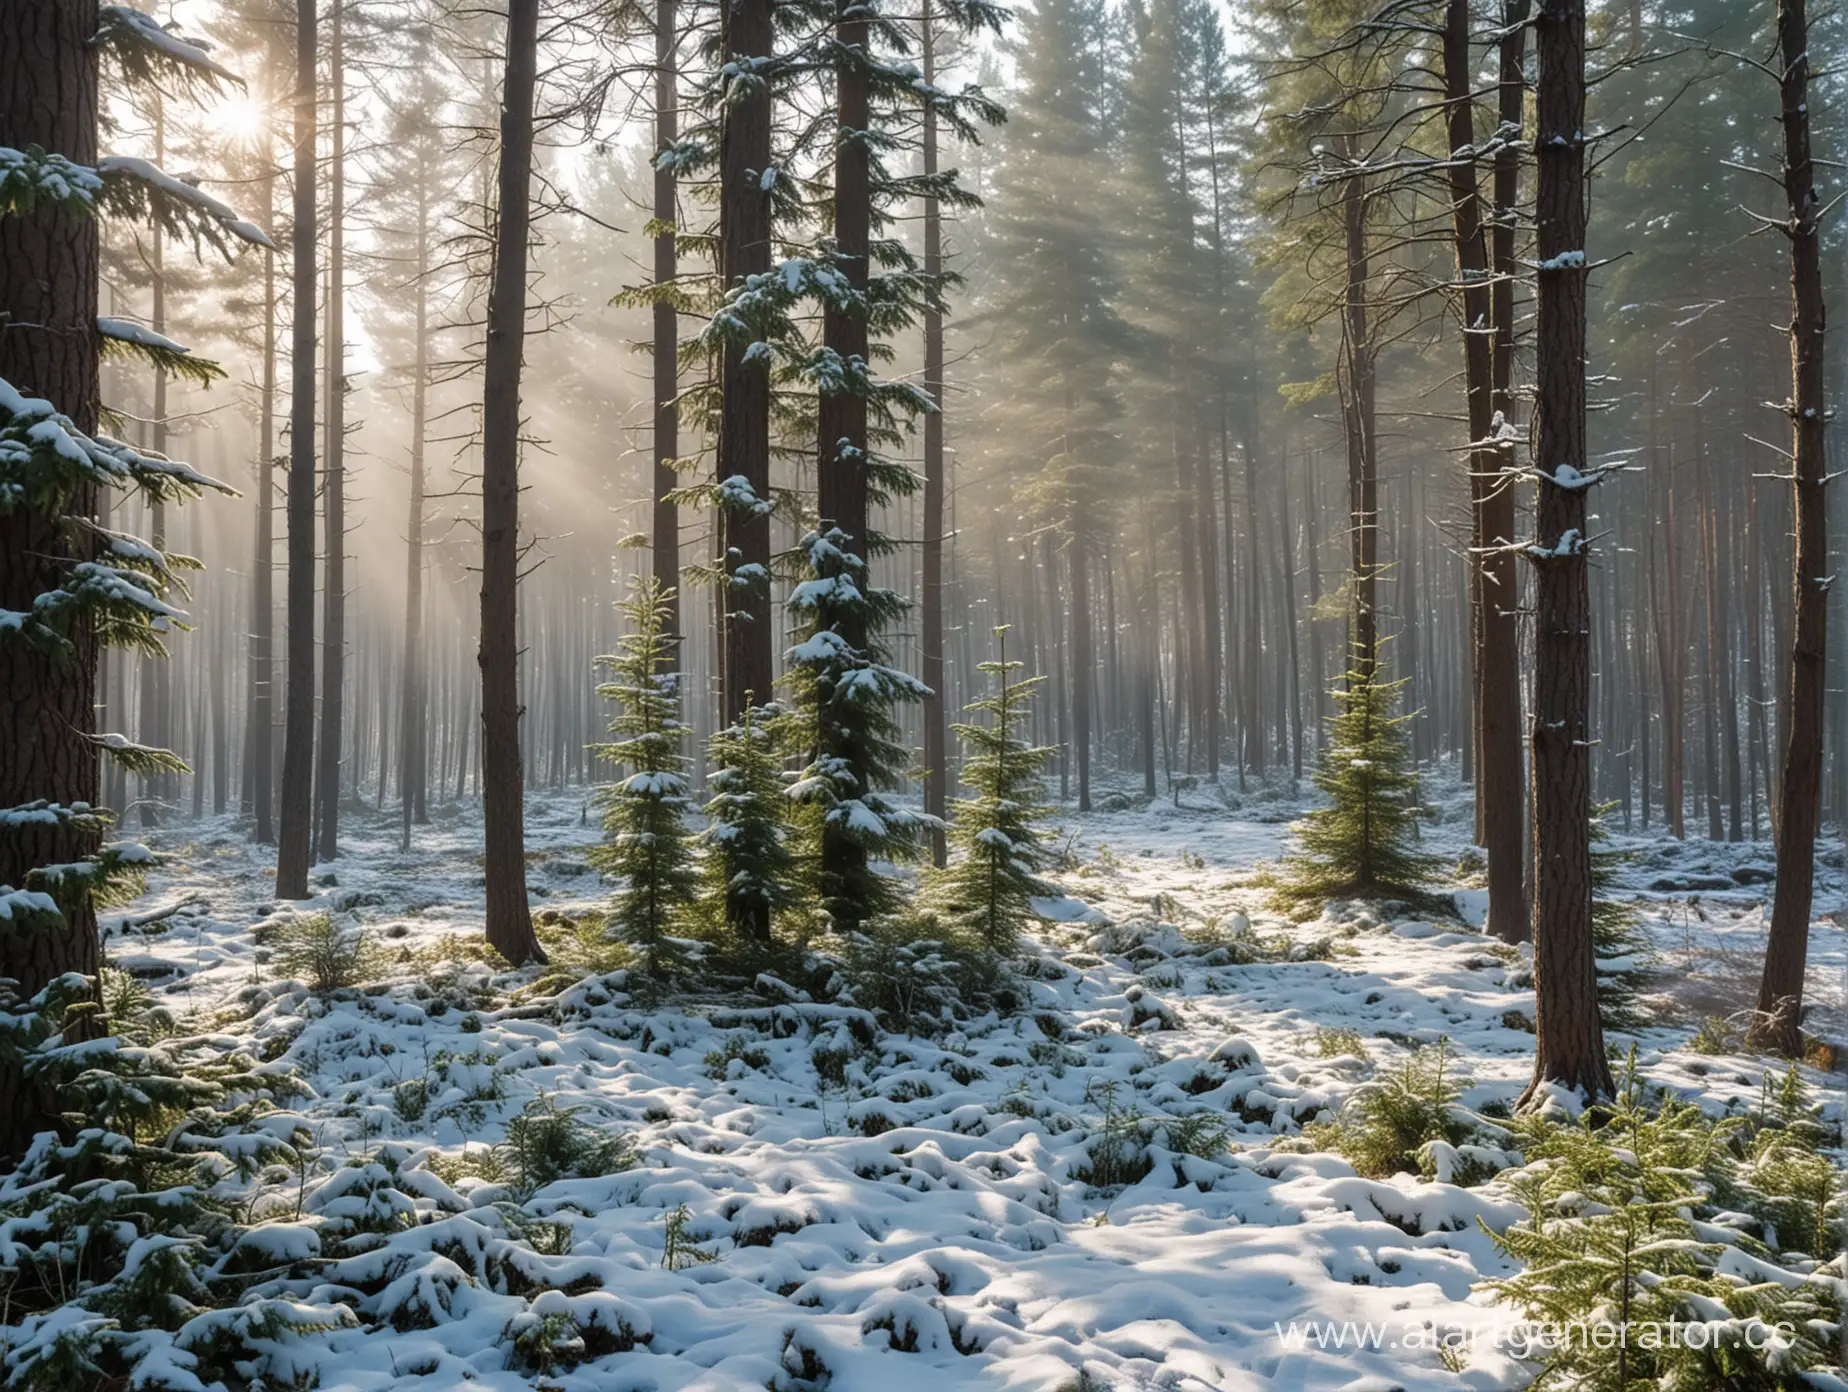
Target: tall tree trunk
{"type": "Point", "coordinates": [840, 480]}
{"type": "Point", "coordinates": [666, 515]}
{"type": "Point", "coordinates": [1358, 383]}
{"type": "Point", "coordinates": [1251, 716]}
{"type": "Point", "coordinates": [936, 733]}
{"type": "Point", "coordinates": [156, 674]}
{"type": "Point", "coordinates": [1714, 680]}
{"type": "Point", "coordinates": [261, 715]}
{"type": "Point", "coordinates": [48, 348]}
{"type": "Point", "coordinates": [293, 847]}
{"type": "Point", "coordinates": [1569, 1047]}
{"type": "Point", "coordinates": [1780, 992]}
{"type": "Point", "coordinates": [333, 496]}
{"type": "Point", "coordinates": [1497, 651]}
{"type": "Point", "coordinates": [509, 918]}
{"type": "Point", "coordinates": [414, 700]}
{"type": "Point", "coordinates": [744, 422]}
{"type": "Point", "coordinates": [1500, 776]}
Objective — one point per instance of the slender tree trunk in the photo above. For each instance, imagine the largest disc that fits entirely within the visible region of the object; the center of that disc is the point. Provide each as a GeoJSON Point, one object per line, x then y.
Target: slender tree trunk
{"type": "Point", "coordinates": [414, 703]}
{"type": "Point", "coordinates": [744, 422]}
{"type": "Point", "coordinates": [293, 850]}
{"type": "Point", "coordinates": [262, 704]}
{"type": "Point", "coordinates": [1251, 717]}
{"type": "Point", "coordinates": [333, 497]}
{"type": "Point", "coordinates": [1497, 651]}
{"type": "Point", "coordinates": [1569, 1047]}
{"type": "Point", "coordinates": [841, 482]}
{"type": "Point", "coordinates": [1358, 382]}
{"type": "Point", "coordinates": [1712, 676]}
{"type": "Point", "coordinates": [48, 348]}
{"type": "Point", "coordinates": [936, 732]}
{"type": "Point", "coordinates": [1780, 993]}
{"type": "Point", "coordinates": [1500, 776]}
{"type": "Point", "coordinates": [666, 515]}
{"type": "Point", "coordinates": [156, 673]}
{"type": "Point", "coordinates": [509, 918]}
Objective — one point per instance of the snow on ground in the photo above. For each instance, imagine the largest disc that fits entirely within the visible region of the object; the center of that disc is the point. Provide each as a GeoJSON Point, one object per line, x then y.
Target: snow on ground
{"type": "Point", "coordinates": [900, 1213]}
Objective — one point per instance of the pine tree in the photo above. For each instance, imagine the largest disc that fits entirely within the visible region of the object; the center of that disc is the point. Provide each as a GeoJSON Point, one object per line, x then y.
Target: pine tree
{"type": "Point", "coordinates": [866, 288]}
{"type": "Point", "coordinates": [70, 586]}
{"type": "Point", "coordinates": [845, 698]}
{"type": "Point", "coordinates": [747, 864]}
{"type": "Point", "coordinates": [1624, 949]}
{"type": "Point", "coordinates": [986, 892]}
{"type": "Point", "coordinates": [1363, 843]}
{"type": "Point", "coordinates": [646, 839]}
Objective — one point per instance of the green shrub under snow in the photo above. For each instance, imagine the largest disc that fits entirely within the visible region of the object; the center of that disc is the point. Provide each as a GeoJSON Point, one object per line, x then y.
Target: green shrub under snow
{"type": "Point", "coordinates": [1651, 1216]}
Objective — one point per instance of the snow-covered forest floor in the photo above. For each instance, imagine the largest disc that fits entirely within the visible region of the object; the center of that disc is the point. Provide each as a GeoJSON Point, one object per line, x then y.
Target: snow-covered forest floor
{"type": "Point", "coordinates": [1008, 1205]}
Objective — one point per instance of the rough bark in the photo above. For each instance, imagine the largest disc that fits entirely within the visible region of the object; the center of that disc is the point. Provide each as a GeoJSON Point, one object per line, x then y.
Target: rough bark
{"type": "Point", "coordinates": [1500, 777]}
{"type": "Point", "coordinates": [744, 422]}
{"type": "Point", "coordinates": [48, 348]}
{"type": "Point", "coordinates": [509, 922]}
{"type": "Point", "coordinates": [1780, 993]}
{"type": "Point", "coordinates": [293, 840]}
{"type": "Point", "coordinates": [1569, 1044]}
{"type": "Point", "coordinates": [840, 479]}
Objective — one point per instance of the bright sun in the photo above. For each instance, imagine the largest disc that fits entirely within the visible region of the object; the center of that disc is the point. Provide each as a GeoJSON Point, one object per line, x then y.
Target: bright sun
{"type": "Point", "coordinates": [239, 119]}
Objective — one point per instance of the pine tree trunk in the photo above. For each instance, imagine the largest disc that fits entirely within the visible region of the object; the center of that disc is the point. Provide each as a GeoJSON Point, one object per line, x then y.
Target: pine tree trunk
{"type": "Point", "coordinates": [156, 674]}
{"type": "Point", "coordinates": [414, 700]}
{"type": "Point", "coordinates": [333, 497]}
{"type": "Point", "coordinates": [1501, 791]}
{"type": "Point", "coordinates": [48, 348]}
{"type": "Point", "coordinates": [1358, 417]}
{"type": "Point", "coordinates": [1715, 654]}
{"type": "Point", "coordinates": [840, 479]}
{"type": "Point", "coordinates": [509, 918]}
{"type": "Point", "coordinates": [1569, 1047]}
{"type": "Point", "coordinates": [666, 515]}
{"type": "Point", "coordinates": [1780, 993]}
{"type": "Point", "coordinates": [936, 732]}
{"type": "Point", "coordinates": [261, 707]}
{"type": "Point", "coordinates": [744, 422]}
{"type": "Point", "coordinates": [293, 847]}
{"type": "Point", "coordinates": [1251, 714]}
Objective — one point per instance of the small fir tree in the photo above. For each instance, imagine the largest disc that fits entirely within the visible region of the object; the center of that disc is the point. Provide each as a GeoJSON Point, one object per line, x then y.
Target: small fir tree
{"type": "Point", "coordinates": [1621, 1237]}
{"type": "Point", "coordinates": [1363, 843]}
{"type": "Point", "coordinates": [646, 839]}
{"type": "Point", "coordinates": [1625, 953]}
{"type": "Point", "coordinates": [846, 695]}
{"type": "Point", "coordinates": [985, 893]}
{"type": "Point", "coordinates": [747, 866]}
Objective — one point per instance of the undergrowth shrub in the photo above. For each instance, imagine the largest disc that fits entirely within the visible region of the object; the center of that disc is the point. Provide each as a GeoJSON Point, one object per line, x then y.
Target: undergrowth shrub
{"type": "Point", "coordinates": [547, 1142]}
{"type": "Point", "coordinates": [322, 952]}
{"type": "Point", "coordinates": [1386, 1127]}
{"type": "Point", "coordinates": [1623, 1230]}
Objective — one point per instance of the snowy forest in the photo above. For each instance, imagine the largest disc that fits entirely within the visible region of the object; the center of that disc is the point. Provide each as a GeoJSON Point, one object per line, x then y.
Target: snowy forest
{"type": "Point", "coordinates": [1040, 695]}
